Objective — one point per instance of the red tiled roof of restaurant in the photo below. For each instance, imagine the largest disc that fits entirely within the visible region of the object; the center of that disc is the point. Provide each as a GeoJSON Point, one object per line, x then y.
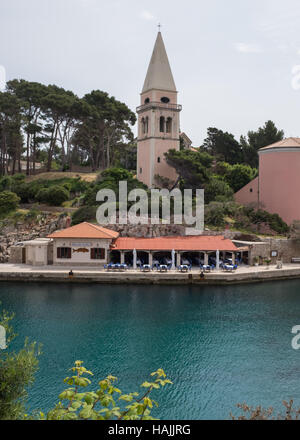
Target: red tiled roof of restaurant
{"type": "Point", "coordinates": [85, 230]}
{"type": "Point", "coordinates": [188, 243]}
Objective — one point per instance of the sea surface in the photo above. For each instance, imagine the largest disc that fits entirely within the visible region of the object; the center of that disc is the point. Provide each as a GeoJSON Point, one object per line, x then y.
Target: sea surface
{"type": "Point", "coordinates": [220, 345]}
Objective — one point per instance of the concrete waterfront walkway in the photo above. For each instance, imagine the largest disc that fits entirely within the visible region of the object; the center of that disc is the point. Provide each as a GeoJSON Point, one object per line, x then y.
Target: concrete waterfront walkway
{"type": "Point", "coordinates": [245, 274]}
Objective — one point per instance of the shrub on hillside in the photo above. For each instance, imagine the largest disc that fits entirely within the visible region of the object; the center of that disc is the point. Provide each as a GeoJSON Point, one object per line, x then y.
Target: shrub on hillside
{"type": "Point", "coordinates": [54, 196]}
{"type": "Point", "coordinates": [116, 174]}
{"type": "Point", "coordinates": [27, 191]}
{"type": "Point", "coordinates": [6, 183]}
{"type": "Point", "coordinates": [217, 190]}
{"type": "Point", "coordinates": [22, 190]}
{"type": "Point", "coordinates": [214, 214]}
{"type": "Point", "coordinates": [67, 186]}
{"type": "Point", "coordinates": [273, 220]}
{"type": "Point", "coordinates": [109, 179]}
{"type": "Point", "coordinates": [57, 195]}
{"type": "Point", "coordinates": [9, 201]}
{"type": "Point", "coordinates": [244, 217]}
{"type": "Point", "coordinates": [78, 186]}
{"type": "Point", "coordinates": [19, 177]}
{"type": "Point", "coordinates": [42, 195]}
{"type": "Point", "coordinates": [31, 191]}
{"type": "Point", "coordinates": [84, 214]}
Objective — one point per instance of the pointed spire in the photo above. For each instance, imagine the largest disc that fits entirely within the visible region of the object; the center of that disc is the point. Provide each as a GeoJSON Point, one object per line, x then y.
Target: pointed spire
{"type": "Point", "coordinates": [159, 75]}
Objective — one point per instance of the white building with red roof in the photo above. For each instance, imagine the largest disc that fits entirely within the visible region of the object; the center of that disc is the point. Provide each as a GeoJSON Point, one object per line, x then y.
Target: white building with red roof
{"type": "Point", "coordinates": [88, 244]}
{"type": "Point", "coordinates": [84, 244]}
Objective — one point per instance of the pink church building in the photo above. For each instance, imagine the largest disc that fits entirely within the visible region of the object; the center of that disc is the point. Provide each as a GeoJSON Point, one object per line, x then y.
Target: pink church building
{"type": "Point", "coordinates": [276, 189]}
{"type": "Point", "coordinates": [158, 119]}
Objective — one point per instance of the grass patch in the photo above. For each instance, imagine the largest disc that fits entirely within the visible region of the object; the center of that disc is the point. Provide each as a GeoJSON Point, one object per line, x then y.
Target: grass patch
{"type": "Point", "coordinates": [59, 175]}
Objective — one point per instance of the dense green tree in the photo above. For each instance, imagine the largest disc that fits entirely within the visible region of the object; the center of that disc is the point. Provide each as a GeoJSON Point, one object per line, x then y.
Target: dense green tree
{"type": "Point", "coordinates": [193, 167]}
{"type": "Point", "coordinates": [264, 136]}
{"type": "Point", "coordinates": [124, 155]}
{"type": "Point", "coordinates": [108, 123]}
{"type": "Point", "coordinates": [59, 109]}
{"type": "Point", "coordinates": [237, 176]}
{"type": "Point", "coordinates": [10, 131]}
{"type": "Point", "coordinates": [222, 146]}
{"type": "Point", "coordinates": [30, 95]}
{"type": "Point", "coordinates": [60, 127]}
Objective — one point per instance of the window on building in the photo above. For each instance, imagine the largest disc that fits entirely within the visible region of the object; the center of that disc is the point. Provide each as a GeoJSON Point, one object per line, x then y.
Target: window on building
{"type": "Point", "coordinates": [251, 190]}
{"type": "Point", "coordinates": [146, 124]}
{"type": "Point", "coordinates": [169, 125]}
{"type": "Point", "coordinates": [64, 252]}
{"type": "Point", "coordinates": [147, 100]}
{"type": "Point", "coordinates": [97, 254]}
{"type": "Point", "coordinates": [158, 159]}
{"type": "Point", "coordinates": [162, 124]}
{"type": "Point", "coordinates": [141, 170]}
{"type": "Point", "coordinates": [165, 100]}
{"type": "Point", "coordinates": [143, 125]}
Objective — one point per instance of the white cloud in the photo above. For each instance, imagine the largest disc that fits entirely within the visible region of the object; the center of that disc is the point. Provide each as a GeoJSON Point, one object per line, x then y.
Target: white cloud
{"type": "Point", "coordinates": [146, 15]}
{"type": "Point", "coordinates": [247, 48]}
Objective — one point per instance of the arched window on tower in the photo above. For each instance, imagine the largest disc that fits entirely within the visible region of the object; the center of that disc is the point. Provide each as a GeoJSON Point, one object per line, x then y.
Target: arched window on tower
{"type": "Point", "coordinates": [169, 125]}
{"type": "Point", "coordinates": [146, 124]}
{"type": "Point", "coordinates": [162, 124]}
{"type": "Point", "coordinates": [143, 125]}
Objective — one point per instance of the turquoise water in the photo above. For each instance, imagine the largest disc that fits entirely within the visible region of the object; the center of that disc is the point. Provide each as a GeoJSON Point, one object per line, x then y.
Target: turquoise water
{"type": "Point", "coordinates": [219, 345]}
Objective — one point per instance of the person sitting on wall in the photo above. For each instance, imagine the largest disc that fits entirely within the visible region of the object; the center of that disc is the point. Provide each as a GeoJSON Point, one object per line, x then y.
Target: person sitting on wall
{"type": "Point", "coordinates": [71, 273]}
{"type": "Point", "coordinates": [202, 276]}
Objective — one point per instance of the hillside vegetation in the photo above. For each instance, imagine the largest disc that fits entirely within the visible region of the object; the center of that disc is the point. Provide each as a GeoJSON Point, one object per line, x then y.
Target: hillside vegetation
{"type": "Point", "coordinates": [75, 195]}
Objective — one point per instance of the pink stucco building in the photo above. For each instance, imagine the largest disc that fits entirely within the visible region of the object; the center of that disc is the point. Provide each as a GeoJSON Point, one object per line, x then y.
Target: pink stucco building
{"type": "Point", "coordinates": [158, 119]}
{"type": "Point", "coordinates": [277, 188]}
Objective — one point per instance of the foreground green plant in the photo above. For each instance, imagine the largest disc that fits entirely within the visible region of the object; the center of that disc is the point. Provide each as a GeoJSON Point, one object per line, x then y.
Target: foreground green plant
{"type": "Point", "coordinates": [104, 403]}
{"type": "Point", "coordinates": [17, 372]}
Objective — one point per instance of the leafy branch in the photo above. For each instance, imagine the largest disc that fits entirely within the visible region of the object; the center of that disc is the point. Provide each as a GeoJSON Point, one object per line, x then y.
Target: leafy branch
{"type": "Point", "coordinates": [105, 402]}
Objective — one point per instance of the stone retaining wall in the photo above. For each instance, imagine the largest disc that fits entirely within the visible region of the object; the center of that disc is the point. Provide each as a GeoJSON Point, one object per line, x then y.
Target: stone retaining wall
{"type": "Point", "coordinates": [152, 278]}
{"type": "Point", "coordinates": [286, 248]}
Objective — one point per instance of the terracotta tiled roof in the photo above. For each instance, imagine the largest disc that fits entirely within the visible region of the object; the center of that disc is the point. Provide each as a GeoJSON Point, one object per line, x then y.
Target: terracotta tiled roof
{"type": "Point", "coordinates": [85, 230]}
{"type": "Point", "coordinates": [285, 143]}
{"type": "Point", "coordinates": [188, 243]}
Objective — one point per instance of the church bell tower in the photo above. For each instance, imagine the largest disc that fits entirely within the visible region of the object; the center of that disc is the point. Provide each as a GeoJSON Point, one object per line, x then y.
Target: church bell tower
{"type": "Point", "coordinates": [158, 119]}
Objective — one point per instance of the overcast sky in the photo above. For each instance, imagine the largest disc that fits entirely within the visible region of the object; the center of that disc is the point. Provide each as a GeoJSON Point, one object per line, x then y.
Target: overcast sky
{"type": "Point", "coordinates": [232, 60]}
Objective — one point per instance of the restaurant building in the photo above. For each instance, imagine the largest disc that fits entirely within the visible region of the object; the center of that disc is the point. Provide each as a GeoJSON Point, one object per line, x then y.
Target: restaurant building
{"type": "Point", "coordinates": [91, 245]}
